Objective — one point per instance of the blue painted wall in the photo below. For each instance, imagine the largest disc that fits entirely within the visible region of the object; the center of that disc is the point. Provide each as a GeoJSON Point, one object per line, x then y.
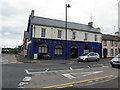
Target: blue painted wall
{"type": "Point", "coordinates": [51, 43]}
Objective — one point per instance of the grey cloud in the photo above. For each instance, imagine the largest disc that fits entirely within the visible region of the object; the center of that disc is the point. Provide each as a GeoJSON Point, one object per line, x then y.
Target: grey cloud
{"type": "Point", "coordinates": [12, 33]}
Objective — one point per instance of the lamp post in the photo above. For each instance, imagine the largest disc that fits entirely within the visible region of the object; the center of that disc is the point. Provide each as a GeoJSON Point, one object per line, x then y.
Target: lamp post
{"type": "Point", "coordinates": [66, 6]}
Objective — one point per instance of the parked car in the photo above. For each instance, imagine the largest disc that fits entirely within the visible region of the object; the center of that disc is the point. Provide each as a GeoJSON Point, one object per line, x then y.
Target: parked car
{"type": "Point", "coordinates": [115, 62]}
{"type": "Point", "coordinates": [91, 56]}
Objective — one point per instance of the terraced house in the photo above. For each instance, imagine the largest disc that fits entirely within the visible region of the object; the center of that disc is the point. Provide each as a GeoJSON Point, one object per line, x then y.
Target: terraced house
{"type": "Point", "coordinates": [47, 37]}
{"type": "Point", "coordinates": [110, 45]}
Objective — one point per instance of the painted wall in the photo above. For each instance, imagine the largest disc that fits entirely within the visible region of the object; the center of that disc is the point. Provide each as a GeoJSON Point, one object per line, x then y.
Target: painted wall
{"type": "Point", "coordinates": [51, 43]}
{"type": "Point", "coordinates": [119, 17]}
{"type": "Point", "coordinates": [52, 33]}
{"type": "Point", "coordinates": [109, 47]}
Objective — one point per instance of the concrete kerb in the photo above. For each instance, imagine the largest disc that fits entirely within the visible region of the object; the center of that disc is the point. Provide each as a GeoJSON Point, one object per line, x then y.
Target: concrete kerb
{"type": "Point", "coordinates": [23, 59]}
{"type": "Point", "coordinates": [27, 60]}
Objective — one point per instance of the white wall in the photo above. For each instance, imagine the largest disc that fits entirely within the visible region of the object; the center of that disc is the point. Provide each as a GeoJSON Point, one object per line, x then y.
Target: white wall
{"type": "Point", "coordinates": [108, 47]}
{"type": "Point", "coordinates": [119, 17]}
{"type": "Point", "coordinates": [52, 33]}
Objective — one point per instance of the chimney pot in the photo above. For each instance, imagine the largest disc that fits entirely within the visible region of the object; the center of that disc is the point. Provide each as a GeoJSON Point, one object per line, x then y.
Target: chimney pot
{"type": "Point", "coordinates": [90, 24]}
{"type": "Point", "coordinates": [32, 13]}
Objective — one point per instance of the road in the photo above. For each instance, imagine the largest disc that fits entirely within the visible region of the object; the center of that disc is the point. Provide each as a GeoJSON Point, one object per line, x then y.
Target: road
{"type": "Point", "coordinates": [30, 75]}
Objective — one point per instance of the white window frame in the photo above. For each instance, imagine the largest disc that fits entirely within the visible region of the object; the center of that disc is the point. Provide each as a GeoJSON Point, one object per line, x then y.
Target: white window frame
{"type": "Point", "coordinates": [43, 32]}
{"type": "Point", "coordinates": [59, 33]}
{"type": "Point", "coordinates": [86, 36]}
{"type": "Point", "coordinates": [95, 37]}
{"type": "Point", "coordinates": [73, 35]}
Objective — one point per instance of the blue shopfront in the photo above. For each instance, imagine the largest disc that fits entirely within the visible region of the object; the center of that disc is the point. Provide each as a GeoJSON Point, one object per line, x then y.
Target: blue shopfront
{"type": "Point", "coordinates": [61, 49]}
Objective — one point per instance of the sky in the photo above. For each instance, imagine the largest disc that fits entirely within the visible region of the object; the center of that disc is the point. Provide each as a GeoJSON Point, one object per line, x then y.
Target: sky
{"type": "Point", "coordinates": [15, 14]}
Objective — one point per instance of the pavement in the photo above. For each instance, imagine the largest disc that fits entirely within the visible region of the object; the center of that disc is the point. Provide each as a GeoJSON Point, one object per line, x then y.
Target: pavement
{"type": "Point", "coordinates": [23, 59]}
{"type": "Point", "coordinates": [18, 58]}
{"type": "Point", "coordinates": [8, 58]}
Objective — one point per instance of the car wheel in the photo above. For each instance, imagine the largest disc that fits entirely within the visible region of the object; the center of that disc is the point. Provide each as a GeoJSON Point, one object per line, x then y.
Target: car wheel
{"type": "Point", "coordinates": [97, 59]}
{"type": "Point", "coordinates": [78, 60]}
{"type": "Point", "coordinates": [112, 65]}
{"type": "Point", "coordinates": [86, 60]}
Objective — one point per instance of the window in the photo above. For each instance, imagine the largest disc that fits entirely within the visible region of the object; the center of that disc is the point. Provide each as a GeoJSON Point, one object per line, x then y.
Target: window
{"type": "Point", "coordinates": [115, 43]}
{"type": "Point", "coordinates": [86, 36]}
{"type": "Point", "coordinates": [95, 37]}
{"type": "Point", "coordinates": [43, 32]}
{"type": "Point", "coordinates": [73, 35]}
{"type": "Point", "coordinates": [111, 43]}
{"type": "Point", "coordinates": [111, 52]}
{"type": "Point", "coordinates": [115, 51]}
{"type": "Point", "coordinates": [105, 43]}
{"type": "Point", "coordinates": [91, 54]}
{"type": "Point", "coordinates": [59, 33]}
{"type": "Point", "coordinates": [43, 48]}
{"type": "Point", "coordinates": [58, 50]}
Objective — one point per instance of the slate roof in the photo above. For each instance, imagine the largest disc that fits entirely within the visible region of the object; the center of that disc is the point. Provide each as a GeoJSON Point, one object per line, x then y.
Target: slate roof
{"type": "Point", "coordinates": [110, 37]}
{"type": "Point", "coordinates": [59, 23]}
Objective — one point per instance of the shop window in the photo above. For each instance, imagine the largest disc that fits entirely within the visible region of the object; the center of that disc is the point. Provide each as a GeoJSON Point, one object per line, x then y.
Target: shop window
{"type": "Point", "coordinates": [43, 48]}
{"type": "Point", "coordinates": [58, 50]}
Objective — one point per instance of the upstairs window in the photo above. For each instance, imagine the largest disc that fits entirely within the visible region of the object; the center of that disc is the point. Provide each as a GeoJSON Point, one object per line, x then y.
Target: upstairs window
{"type": "Point", "coordinates": [95, 37]}
{"type": "Point", "coordinates": [111, 43]}
{"type": "Point", "coordinates": [105, 43]}
{"type": "Point", "coordinates": [115, 43]}
{"type": "Point", "coordinates": [86, 36]}
{"type": "Point", "coordinates": [59, 33]}
{"type": "Point", "coordinates": [73, 35]}
{"type": "Point", "coordinates": [43, 32]}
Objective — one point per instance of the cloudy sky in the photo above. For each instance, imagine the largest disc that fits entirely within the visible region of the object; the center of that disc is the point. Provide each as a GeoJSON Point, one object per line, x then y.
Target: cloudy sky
{"type": "Point", "coordinates": [15, 13]}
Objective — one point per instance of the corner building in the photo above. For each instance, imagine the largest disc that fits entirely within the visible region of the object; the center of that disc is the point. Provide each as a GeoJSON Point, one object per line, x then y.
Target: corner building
{"type": "Point", "coordinates": [47, 37]}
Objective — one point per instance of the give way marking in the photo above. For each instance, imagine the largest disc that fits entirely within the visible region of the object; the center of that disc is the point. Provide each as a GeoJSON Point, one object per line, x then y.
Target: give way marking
{"type": "Point", "coordinates": [77, 75]}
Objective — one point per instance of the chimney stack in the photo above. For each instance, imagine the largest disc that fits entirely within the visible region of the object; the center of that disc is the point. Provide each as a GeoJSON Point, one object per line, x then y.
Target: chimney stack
{"type": "Point", "coordinates": [90, 24]}
{"type": "Point", "coordinates": [32, 13]}
{"type": "Point", "coordinates": [98, 29]}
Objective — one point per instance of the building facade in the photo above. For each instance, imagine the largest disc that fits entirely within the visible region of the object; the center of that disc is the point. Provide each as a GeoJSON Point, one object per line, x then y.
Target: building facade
{"type": "Point", "coordinates": [25, 40]}
{"type": "Point", "coordinates": [47, 37]}
{"type": "Point", "coordinates": [110, 45]}
{"type": "Point", "coordinates": [119, 18]}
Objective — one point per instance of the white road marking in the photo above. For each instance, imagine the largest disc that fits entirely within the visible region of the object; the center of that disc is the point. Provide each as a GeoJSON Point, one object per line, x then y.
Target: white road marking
{"type": "Point", "coordinates": [78, 75]}
{"type": "Point", "coordinates": [68, 76]}
{"type": "Point", "coordinates": [99, 65]}
{"type": "Point", "coordinates": [71, 68]}
{"type": "Point", "coordinates": [88, 66]}
{"type": "Point", "coordinates": [27, 72]}
{"type": "Point", "coordinates": [90, 73]}
{"type": "Point", "coordinates": [27, 79]}
{"type": "Point", "coordinates": [47, 70]}
{"type": "Point", "coordinates": [21, 84]}
{"type": "Point", "coordinates": [97, 81]}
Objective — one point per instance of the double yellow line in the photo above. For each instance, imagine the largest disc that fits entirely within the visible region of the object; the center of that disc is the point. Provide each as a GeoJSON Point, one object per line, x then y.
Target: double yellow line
{"type": "Point", "coordinates": [73, 83]}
